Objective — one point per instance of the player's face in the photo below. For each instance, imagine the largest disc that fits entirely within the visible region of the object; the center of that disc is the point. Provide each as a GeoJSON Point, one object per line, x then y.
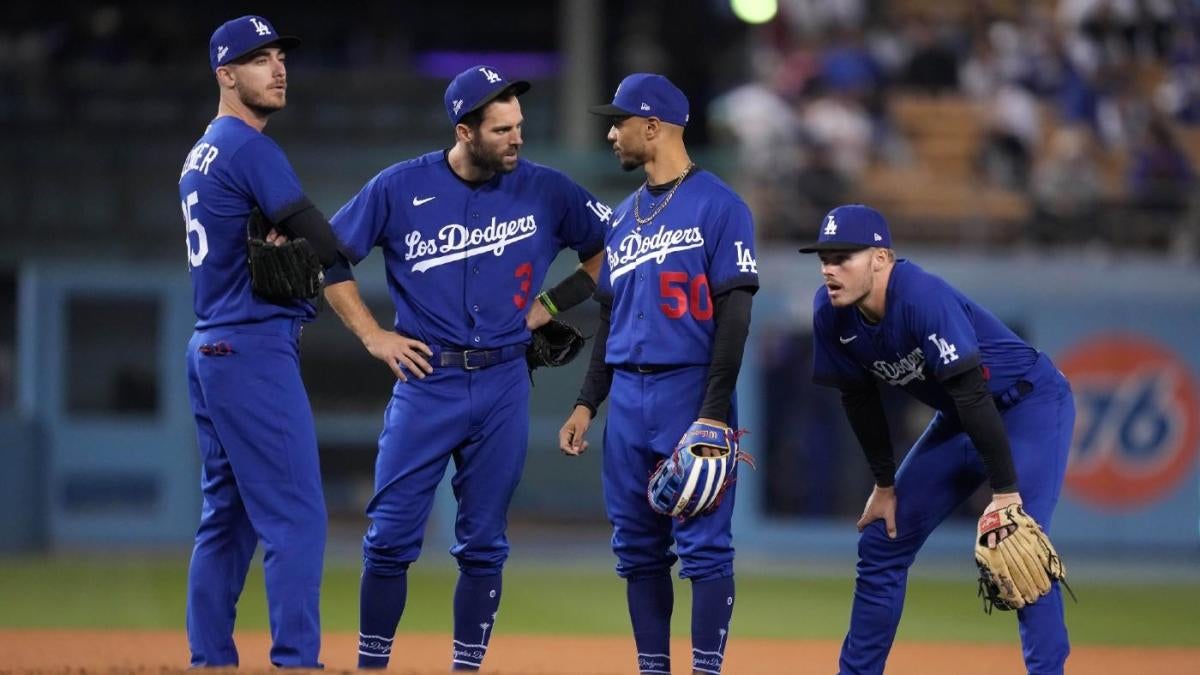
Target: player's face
{"type": "Point", "coordinates": [260, 80]}
{"type": "Point", "coordinates": [628, 140]}
{"type": "Point", "coordinates": [849, 275]}
{"type": "Point", "coordinates": [496, 146]}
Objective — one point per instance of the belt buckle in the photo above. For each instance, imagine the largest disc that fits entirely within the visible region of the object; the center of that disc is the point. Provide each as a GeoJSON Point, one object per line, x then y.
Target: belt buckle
{"type": "Point", "coordinates": [644, 369]}
{"type": "Point", "coordinates": [467, 359]}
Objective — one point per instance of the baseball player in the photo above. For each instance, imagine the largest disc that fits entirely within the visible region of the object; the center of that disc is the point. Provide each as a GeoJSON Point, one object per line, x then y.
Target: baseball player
{"type": "Point", "coordinates": [1003, 412]}
{"type": "Point", "coordinates": [260, 476]}
{"type": "Point", "coordinates": [467, 236]}
{"type": "Point", "coordinates": [676, 291]}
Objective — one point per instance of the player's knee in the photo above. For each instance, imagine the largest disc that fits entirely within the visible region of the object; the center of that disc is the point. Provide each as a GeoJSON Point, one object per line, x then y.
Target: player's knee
{"type": "Point", "coordinates": [707, 572]}
{"type": "Point", "coordinates": [481, 562]}
{"type": "Point", "coordinates": [476, 568]}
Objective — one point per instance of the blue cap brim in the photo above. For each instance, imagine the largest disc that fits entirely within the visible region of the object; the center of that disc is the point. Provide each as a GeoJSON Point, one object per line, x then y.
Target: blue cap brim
{"type": "Point", "coordinates": [832, 246]}
{"type": "Point", "coordinates": [610, 110]}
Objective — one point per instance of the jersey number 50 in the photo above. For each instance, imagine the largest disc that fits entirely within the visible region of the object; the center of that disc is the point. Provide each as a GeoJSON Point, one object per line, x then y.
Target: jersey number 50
{"type": "Point", "coordinates": [196, 257]}
{"type": "Point", "coordinates": [695, 299]}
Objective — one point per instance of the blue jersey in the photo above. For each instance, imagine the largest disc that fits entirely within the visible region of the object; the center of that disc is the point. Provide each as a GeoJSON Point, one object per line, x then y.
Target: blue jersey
{"type": "Point", "coordinates": [231, 169]}
{"type": "Point", "coordinates": [661, 276]}
{"type": "Point", "coordinates": [464, 260]}
{"type": "Point", "coordinates": [929, 332]}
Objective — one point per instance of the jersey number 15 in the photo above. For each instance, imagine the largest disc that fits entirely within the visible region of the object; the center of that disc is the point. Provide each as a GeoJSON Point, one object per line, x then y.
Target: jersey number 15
{"type": "Point", "coordinates": [195, 257]}
{"type": "Point", "coordinates": [695, 299]}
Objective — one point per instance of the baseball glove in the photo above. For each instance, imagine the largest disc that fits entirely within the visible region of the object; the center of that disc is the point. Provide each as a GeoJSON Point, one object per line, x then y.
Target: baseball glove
{"type": "Point", "coordinates": [555, 344]}
{"type": "Point", "coordinates": [693, 479]}
{"type": "Point", "coordinates": [289, 271]}
{"type": "Point", "coordinates": [1019, 569]}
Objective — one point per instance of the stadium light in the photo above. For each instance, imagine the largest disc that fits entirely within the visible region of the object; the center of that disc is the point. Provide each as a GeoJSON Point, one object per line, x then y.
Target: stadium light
{"type": "Point", "coordinates": [754, 11]}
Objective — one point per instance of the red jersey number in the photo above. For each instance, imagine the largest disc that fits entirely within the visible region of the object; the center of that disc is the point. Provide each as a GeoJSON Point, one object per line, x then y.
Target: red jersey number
{"type": "Point", "coordinates": [683, 296]}
{"type": "Point", "coordinates": [525, 274]}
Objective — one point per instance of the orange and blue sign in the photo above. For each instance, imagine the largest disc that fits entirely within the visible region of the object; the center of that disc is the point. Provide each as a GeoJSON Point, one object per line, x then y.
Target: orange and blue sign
{"type": "Point", "coordinates": [1138, 423]}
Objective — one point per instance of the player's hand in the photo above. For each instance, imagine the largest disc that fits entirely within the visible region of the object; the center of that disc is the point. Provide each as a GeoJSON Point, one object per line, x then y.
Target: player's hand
{"type": "Point", "coordinates": [1000, 501]}
{"type": "Point", "coordinates": [570, 436]}
{"type": "Point", "coordinates": [880, 505]}
{"type": "Point", "coordinates": [276, 238]}
{"type": "Point", "coordinates": [400, 353]}
{"type": "Point", "coordinates": [538, 315]}
{"type": "Point", "coordinates": [705, 450]}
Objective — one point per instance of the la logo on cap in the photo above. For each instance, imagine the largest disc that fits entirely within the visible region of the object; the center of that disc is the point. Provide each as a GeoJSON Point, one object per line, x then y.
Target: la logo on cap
{"type": "Point", "coordinates": [260, 27]}
{"type": "Point", "coordinates": [831, 227]}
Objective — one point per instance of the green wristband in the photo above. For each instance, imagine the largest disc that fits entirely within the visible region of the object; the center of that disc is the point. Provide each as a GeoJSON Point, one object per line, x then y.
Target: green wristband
{"type": "Point", "coordinates": [544, 298]}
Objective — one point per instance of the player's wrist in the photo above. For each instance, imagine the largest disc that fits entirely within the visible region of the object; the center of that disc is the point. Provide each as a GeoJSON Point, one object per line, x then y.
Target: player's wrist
{"type": "Point", "coordinates": [543, 298]}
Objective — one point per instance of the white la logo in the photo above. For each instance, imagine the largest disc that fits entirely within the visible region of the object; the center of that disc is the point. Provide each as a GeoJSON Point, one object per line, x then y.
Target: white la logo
{"type": "Point", "coordinates": [745, 259]}
{"type": "Point", "coordinates": [457, 105]}
{"type": "Point", "coordinates": [947, 351]}
{"type": "Point", "coordinates": [830, 227]}
{"type": "Point", "coordinates": [492, 76]}
{"type": "Point", "coordinates": [260, 27]}
{"type": "Point", "coordinates": [602, 211]}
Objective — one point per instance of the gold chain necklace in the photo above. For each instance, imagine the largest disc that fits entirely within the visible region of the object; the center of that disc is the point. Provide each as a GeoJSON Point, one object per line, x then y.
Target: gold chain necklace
{"type": "Point", "coordinates": [637, 198]}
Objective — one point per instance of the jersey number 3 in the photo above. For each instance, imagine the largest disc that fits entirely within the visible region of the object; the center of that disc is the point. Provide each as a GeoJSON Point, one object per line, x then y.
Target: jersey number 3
{"type": "Point", "coordinates": [695, 299]}
{"type": "Point", "coordinates": [195, 257]}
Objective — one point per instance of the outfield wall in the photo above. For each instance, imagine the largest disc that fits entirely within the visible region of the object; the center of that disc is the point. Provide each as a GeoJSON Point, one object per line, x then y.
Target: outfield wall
{"type": "Point", "coordinates": [103, 431]}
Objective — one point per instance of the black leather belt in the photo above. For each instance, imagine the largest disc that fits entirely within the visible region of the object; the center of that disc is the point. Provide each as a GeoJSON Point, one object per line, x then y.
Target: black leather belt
{"type": "Point", "coordinates": [474, 359]}
{"type": "Point", "coordinates": [647, 368]}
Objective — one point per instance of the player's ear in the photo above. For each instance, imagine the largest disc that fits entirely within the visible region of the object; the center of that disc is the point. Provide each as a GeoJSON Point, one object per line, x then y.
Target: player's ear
{"type": "Point", "coordinates": [462, 133]}
{"type": "Point", "coordinates": [225, 77]}
{"type": "Point", "coordinates": [652, 128]}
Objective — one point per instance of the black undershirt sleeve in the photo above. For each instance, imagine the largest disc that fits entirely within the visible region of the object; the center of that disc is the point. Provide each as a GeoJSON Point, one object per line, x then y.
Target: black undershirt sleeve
{"type": "Point", "coordinates": [599, 375]}
{"type": "Point", "coordinates": [572, 290]}
{"type": "Point", "coordinates": [982, 422]}
{"type": "Point", "coordinates": [731, 314]}
{"type": "Point", "coordinates": [864, 409]}
{"type": "Point", "coordinates": [311, 224]}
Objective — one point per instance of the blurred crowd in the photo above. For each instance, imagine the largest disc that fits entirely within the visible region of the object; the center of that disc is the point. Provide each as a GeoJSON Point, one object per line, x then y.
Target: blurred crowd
{"type": "Point", "coordinates": [1040, 121]}
{"type": "Point", "coordinates": [1085, 114]}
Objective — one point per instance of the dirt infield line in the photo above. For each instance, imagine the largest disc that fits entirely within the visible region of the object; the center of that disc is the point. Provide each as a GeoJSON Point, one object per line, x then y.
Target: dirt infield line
{"type": "Point", "coordinates": [85, 652]}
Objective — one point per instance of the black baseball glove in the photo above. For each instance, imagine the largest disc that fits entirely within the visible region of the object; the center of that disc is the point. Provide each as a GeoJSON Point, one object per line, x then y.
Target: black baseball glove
{"type": "Point", "coordinates": [555, 344]}
{"type": "Point", "coordinates": [289, 271]}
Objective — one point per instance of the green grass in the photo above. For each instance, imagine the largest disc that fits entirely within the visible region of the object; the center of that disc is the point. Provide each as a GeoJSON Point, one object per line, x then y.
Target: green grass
{"type": "Point", "coordinates": [52, 593]}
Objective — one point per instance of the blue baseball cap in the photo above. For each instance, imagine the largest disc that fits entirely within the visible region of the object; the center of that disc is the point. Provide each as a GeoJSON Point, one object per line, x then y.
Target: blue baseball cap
{"type": "Point", "coordinates": [474, 88]}
{"type": "Point", "coordinates": [647, 95]}
{"type": "Point", "coordinates": [237, 37]}
{"type": "Point", "coordinates": [850, 228]}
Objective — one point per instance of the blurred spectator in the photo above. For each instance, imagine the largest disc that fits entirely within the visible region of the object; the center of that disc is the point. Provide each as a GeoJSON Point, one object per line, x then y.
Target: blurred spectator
{"type": "Point", "coordinates": [820, 17]}
{"type": "Point", "coordinates": [933, 64]}
{"type": "Point", "coordinates": [763, 126]}
{"type": "Point", "coordinates": [819, 188]}
{"type": "Point", "coordinates": [1066, 189]}
{"type": "Point", "coordinates": [840, 124]}
{"type": "Point", "coordinates": [1161, 177]}
{"type": "Point", "coordinates": [1013, 129]}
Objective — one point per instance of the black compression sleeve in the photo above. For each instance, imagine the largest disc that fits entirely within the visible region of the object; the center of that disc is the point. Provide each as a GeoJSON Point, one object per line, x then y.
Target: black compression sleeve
{"type": "Point", "coordinates": [572, 290]}
{"type": "Point", "coordinates": [599, 375]}
{"type": "Point", "coordinates": [981, 420]}
{"type": "Point", "coordinates": [311, 224]}
{"type": "Point", "coordinates": [731, 313]}
{"type": "Point", "coordinates": [864, 409]}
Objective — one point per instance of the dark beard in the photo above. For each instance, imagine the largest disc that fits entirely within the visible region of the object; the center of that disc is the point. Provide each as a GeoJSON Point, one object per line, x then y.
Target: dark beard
{"type": "Point", "coordinates": [631, 164]}
{"type": "Point", "coordinates": [488, 162]}
{"type": "Point", "coordinates": [258, 106]}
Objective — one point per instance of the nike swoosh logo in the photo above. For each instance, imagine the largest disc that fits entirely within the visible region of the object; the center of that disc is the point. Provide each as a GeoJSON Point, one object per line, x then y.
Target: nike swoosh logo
{"type": "Point", "coordinates": [418, 202]}
{"type": "Point", "coordinates": [848, 340]}
{"type": "Point", "coordinates": [618, 220]}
